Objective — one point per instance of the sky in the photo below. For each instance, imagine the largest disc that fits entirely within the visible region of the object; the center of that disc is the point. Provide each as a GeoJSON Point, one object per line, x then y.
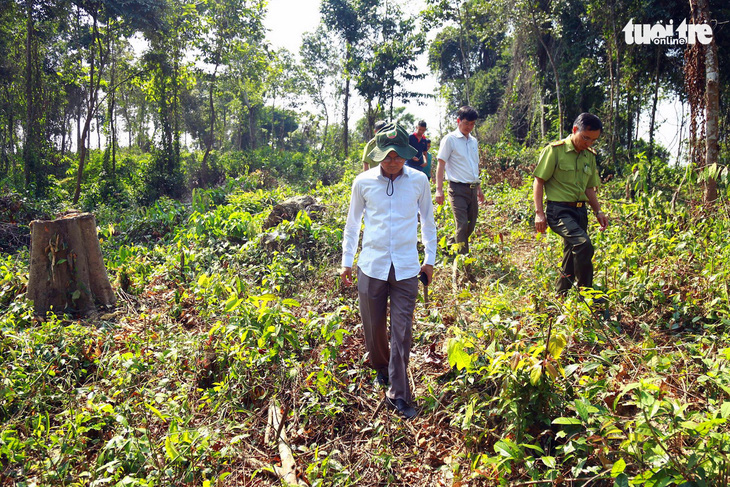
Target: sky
{"type": "Point", "coordinates": [286, 29]}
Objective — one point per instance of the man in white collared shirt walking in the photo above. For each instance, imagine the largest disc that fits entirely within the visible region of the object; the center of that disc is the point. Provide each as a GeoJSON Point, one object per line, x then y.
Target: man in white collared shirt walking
{"type": "Point", "coordinates": [458, 157]}
{"type": "Point", "coordinates": [390, 197]}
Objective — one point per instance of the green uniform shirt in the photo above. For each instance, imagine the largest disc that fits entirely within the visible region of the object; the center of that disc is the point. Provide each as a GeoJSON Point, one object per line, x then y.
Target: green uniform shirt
{"type": "Point", "coordinates": [368, 147]}
{"type": "Point", "coordinates": [567, 173]}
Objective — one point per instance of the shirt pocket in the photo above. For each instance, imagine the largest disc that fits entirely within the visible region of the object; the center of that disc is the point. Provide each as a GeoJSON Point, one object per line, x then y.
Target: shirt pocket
{"type": "Point", "coordinates": [565, 171]}
{"type": "Point", "coordinates": [585, 173]}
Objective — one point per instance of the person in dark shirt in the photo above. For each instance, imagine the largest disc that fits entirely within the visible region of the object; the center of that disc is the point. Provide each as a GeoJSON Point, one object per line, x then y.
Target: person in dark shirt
{"type": "Point", "coordinates": [417, 140]}
{"type": "Point", "coordinates": [429, 159]}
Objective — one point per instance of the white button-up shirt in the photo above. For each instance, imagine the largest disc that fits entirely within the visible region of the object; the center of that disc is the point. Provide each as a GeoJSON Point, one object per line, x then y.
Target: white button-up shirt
{"type": "Point", "coordinates": [390, 235]}
{"type": "Point", "coordinates": [461, 155]}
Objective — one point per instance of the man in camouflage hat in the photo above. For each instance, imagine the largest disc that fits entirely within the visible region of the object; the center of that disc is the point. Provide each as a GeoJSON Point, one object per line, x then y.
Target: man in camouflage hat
{"type": "Point", "coordinates": [390, 198]}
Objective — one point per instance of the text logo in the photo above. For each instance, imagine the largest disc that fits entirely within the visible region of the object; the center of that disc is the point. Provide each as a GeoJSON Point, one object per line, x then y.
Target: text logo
{"type": "Point", "coordinates": [665, 34]}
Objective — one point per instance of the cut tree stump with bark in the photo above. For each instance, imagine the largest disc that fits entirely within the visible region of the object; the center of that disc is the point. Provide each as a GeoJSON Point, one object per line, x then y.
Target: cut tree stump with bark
{"type": "Point", "coordinates": [67, 272]}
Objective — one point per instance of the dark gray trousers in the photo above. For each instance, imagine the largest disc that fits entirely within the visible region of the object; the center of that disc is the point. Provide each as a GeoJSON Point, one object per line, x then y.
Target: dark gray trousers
{"type": "Point", "coordinates": [465, 205]}
{"type": "Point", "coordinates": [374, 295]}
{"type": "Point", "coordinates": [572, 224]}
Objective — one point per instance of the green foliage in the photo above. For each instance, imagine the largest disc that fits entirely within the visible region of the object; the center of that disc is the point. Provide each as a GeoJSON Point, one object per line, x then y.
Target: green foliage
{"type": "Point", "coordinates": [220, 318]}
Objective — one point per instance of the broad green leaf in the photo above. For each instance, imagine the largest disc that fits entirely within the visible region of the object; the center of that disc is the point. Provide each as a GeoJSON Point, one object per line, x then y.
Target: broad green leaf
{"type": "Point", "coordinates": [203, 281]}
{"type": "Point", "coordinates": [535, 374]}
{"type": "Point", "coordinates": [567, 421]}
{"type": "Point", "coordinates": [570, 369]}
{"type": "Point", "coordinates": [457, 356]}
{"type": "Point", "coordinates": [582, 409]}
{"type": "Point", "coordinates": [170, 449]}
{"type": "Point", "coordinates": [725, 409]}
{"type": "Point", "coordinates": [232, 303]}
{"type": "Point", "coordinates": [530, 446]}
{"type": "Point", "coordinates": [621, 481]}
{"type": "Point", "coordinates": [548, 461]}
{"type": "Point", "coordinates": [264, 297]}
{"type": "Point", "coordinates": [509, 449]}
{"type": "Point", "coordinates": [618, 467]}
{"type": "Point", "coordinates": [557, 345]}
{"type": "Point", "coordinates": [155, 411]}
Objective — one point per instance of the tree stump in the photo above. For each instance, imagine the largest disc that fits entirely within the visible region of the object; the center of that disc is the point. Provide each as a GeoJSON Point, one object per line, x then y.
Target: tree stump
{"type": "Point", "coordinates": [67, 272]}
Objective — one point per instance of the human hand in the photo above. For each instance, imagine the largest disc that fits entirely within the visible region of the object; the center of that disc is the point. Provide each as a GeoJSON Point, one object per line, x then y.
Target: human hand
{"type": "Point", "coordinates": [540, 222]}
{"type": "Point", "coordinates": [439, 197]}
{"type": "Point", "coordinates": [346, 275]}
{"type": "Point", "coordinates": [428, 270]}
{"type": "Point", "coordinates": [602, 220]}
{"type": "Point", "coordinates": [480, 195]}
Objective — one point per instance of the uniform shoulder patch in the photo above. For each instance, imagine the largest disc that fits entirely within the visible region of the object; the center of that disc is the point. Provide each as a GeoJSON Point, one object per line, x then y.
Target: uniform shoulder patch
{"type": "Point", "coordinates": [558, 143]}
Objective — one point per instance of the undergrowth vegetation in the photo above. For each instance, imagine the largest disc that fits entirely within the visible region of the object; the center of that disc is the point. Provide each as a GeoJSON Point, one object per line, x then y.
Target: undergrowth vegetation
{"type": "Point", "coordinates": [220, 320]}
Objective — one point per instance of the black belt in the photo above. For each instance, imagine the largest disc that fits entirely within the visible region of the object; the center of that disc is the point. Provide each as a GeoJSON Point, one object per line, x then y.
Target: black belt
{"type": "Point", "coordinates": [572, 204]}
{"type": "Point", "coordinates": [471, 185]}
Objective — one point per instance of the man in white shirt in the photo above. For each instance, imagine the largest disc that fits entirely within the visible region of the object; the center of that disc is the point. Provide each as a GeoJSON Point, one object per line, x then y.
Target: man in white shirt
{"type": "Point", "coordinates": [390, 197]}
{"type": "Point", "coordinates": [458, 157]}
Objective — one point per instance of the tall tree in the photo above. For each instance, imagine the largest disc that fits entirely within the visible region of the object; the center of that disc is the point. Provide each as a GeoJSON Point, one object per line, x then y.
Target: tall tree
{"type": "Point", "coordinates": [388, 63]}
{"type": "Point", "coordinates": [170, 74]}
{"type": "Point", "coordinates": [320, 73]}
{"type": "Point", "coordinates": [702, 77]}
{"type": "Point", "coordinates": [227, 25]}
{"type": "Point", "coordinates": [97, 58]}
{"type": "Point", "coordinates": [33, 140]}
{"type": "Point", "coordinates": [350, 20]}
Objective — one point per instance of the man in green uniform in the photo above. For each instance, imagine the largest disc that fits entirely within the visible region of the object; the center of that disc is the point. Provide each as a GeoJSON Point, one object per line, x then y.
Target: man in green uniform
{"type": "Point", "coordinates": [567, 174]}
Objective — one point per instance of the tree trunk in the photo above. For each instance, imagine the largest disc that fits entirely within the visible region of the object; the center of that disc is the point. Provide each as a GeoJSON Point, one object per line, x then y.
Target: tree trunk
{"type": "Point", "coordinates": [174, 162]}
{"type": "Point", "coordinates": [712, 108]}
{"type": "Point", "coordinates": [67, 272]}
{"type": "Point", "coordinates": [543, 128]}
{"type": "Point", "coordinates": [90, 108]}
{"type": "Point", "coordinates": [251, 125]}
{"type": "Point", "coordinates": [326, 124]}
{"type": "Point", "coordinates": [32, 143]}
{"type": "Point", "coordinates": [538, 34]}
{"type": "Point", "coordinates": [344, 128]}
{"type": "Point", "coordinates": [272, 137]}
{"type": "Point", "coordinates": [466, 68]}
{"type": "Point", "coordinates": [652, 121]}
{"type": "Point", "coordinates": [204, 170]}
{"type": "Point", "coordinates": [27, 156]}
{"type": "Point", "coordinates": [112, 89]}
{"type": "Point", "coordinates": [616, 108]}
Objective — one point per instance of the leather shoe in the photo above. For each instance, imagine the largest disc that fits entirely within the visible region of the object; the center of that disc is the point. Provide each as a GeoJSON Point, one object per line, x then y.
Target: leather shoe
{"type": "Point", "coordinates": [402, 407]}
{"type": "Point", "coordinates": [382, 379]}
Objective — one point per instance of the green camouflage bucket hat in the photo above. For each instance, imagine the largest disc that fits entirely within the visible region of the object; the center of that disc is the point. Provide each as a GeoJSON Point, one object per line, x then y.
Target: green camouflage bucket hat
{"type": "Point", "coordinates": [389, 138]}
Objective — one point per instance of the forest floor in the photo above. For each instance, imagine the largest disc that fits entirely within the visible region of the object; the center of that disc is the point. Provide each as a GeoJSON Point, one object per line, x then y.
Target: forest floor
{"type": "Point", "coordinates": [235, 354]}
